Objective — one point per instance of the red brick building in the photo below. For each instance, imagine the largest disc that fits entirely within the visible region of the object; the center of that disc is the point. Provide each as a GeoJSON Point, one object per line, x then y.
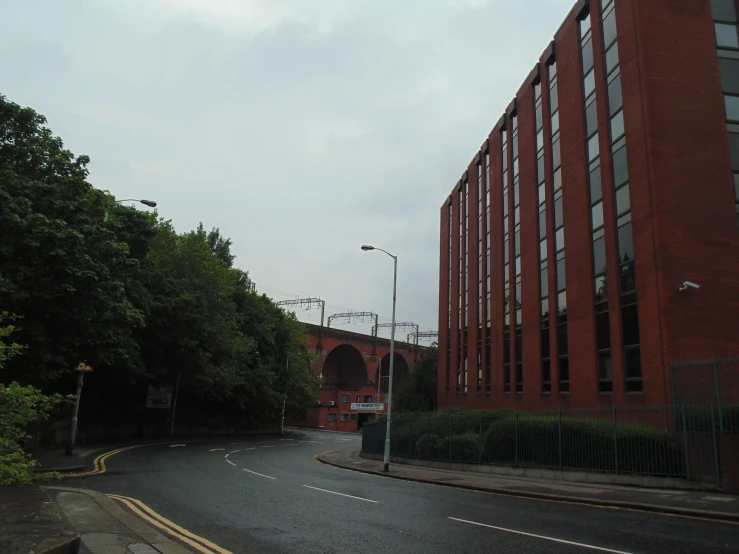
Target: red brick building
{"type": "Point", "coordinates": [611, 179]}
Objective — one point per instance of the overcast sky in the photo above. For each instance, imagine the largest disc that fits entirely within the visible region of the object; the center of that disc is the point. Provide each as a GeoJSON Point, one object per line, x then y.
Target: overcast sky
{"type": "Point", "coordinates": [301, 128]}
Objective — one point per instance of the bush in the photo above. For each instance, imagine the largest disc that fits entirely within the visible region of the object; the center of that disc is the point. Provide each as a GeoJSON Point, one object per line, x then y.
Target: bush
{"type": "Point", "coordinates": [19, 407]}
{"type": "Point", "coordinates": [461, 448]}
{"type": "Point", "coordinates": [429, 446]}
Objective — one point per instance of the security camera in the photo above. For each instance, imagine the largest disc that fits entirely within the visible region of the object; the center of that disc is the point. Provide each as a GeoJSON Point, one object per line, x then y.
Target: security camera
{"type": "Point", "coordinates": [688, 284]}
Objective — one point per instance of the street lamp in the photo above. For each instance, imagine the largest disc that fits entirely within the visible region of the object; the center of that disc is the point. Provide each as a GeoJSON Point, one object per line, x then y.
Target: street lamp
{"type": "Point", "coordinates": [386, 458]}
{"type": "Point", "coordinates": [149, 203]}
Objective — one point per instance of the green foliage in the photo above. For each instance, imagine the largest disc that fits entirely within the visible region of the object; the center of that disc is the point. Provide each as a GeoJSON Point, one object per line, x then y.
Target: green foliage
{"type": "Point", "coordinates": [19, 407]}
{"type": "Point", "coordinates": [516, 438]}
{"type": "Point", "coordinates": [7, 349]}
{"type": "Point", "coordinates": [128, 294]}
{"type": "Point", "coordinates": [418, 392]}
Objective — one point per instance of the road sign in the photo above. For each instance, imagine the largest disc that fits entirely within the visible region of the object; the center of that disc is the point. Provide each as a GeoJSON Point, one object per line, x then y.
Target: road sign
{"type": "Point", "coordinates": [367, 407]}
{"type": "Point", "coordinates": [158, 397]}
{"type": "Point", "coordinates": [83, 368]}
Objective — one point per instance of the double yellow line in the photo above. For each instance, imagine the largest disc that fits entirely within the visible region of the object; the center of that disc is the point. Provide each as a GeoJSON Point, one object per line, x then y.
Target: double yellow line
{"type": "Point", "coordinates": [99, 463]}
{"type": "Point", "coordinates": [170, 528]}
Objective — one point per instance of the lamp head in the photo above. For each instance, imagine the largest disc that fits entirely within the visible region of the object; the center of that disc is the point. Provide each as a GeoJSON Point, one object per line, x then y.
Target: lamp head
{"type": "Point", "coordinates": [367, 247]}
{"type": "Point", "coordinates": [149, 203]}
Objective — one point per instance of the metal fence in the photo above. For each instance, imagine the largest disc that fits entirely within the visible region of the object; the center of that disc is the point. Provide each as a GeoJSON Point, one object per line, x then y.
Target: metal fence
{"type": "Point", "coordinates": [710, 382]}
{"type": "Point", "coordinates": [658, 440]}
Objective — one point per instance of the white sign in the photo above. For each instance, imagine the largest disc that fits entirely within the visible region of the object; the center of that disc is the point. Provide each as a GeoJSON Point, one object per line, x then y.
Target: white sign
{"type": "Point", "coordinates": [158, 397]}
{"type": "Point", "coordinates": [367, 407]}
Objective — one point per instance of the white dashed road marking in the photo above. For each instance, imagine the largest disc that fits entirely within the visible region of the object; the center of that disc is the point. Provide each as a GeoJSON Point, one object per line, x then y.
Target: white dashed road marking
{"type": "Point", "coordinates": [230, 462]}
{"type": "Point", "coordinates": [552, 539]}
{"type": "Point", "coordinates": [214, 449]}
{"type": "Point", "coordinates": [341, 494]}
{"type": "Point", "coordinates": [261, 475]}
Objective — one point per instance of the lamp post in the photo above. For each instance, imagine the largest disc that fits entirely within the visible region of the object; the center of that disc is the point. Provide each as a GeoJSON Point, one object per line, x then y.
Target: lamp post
{"type": "Point", "coordinates": [149, 203]}
{"type": "Point", "coordinates": [386, 458]}
{"type": "Point", "coordinates": [284, 396]}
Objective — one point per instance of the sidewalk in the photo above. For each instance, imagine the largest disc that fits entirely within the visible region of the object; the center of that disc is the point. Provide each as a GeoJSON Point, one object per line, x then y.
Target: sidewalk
{"type": "Point", "coordinates": [106, 528]}
{"type": "Point", "coordinates": [703, 504]}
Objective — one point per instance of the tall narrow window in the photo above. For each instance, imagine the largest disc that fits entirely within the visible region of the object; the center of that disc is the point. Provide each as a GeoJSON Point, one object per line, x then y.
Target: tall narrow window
{"type": "Point", "coordinates": [488, 354]}
{"type": "Point", "coordinates": [506, 266]}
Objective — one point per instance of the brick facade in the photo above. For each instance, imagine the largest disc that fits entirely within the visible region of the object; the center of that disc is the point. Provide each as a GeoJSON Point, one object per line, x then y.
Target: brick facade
{"type": "Point", "coordinates": [682, 216]}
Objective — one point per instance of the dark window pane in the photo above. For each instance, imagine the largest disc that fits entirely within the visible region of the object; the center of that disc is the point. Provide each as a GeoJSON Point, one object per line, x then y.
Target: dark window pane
{"type": "Point", "coordinates": [609, 28]}
{"type": "Point", "coordinates": [593, 148]}
{"type": "Point", "coordinates": [555, 123]}
{"type": "Point", "coordinates": [517, 242]}
{"type": "Point", "coordinates": [617, 126]}
{"type": "Point", "coordinates": [519, 346]}
{"type": "Point", "coordinates": [543, 250]}
{"type": "Point", "coordinates": [596, 213]}
{"type": "Point", "coordinates": [505, 204]}
{"type": "Point", "coordinates": [630, 324]}
{"type": "Point", "coordinates": [558, 215]}
{"type": "Point", "coordinates": [544, 281]}
{"type": "Point", "coordinates": [605, 372]}
{"type": "Point", "coordinates": [559, 239]}
{"type": "Point", "coordinates": [540, 169]}
{"type": "Point", "coordinates": [557, 180]}
{"type": "Point", "coordinates": [628, 279]}
{"type": "Point", "coordinates": [732, 107]}
{"type": "Point", "coordinates": [603, 331]}
{"type": "Point", "coordinates": [546, 376]}
{"type": "Point", "coordinates": [625, 244]}
{"type": "Point", "coordinates": [561, 276]}
{"type": "Point", "coordinates": [591, 118]}
{"type": "Point", "coordinates": [515, 153]}
{"type": "Point", "coordinates": [542, 193]}
{"type": "Point", "coordinates": [556, 160]}
{"type": "Point", "coordinates": [542, 224]}
{"type": "Point", "coordinates": [518, 265]}
{"type": "Point", "coordinates": [615, 101]}
{"type": "Point", "coordinates": [516, 193]}
{"type": "Point", "coordinates": [723, 10]}
{"type": "Point", "coordinates": [632, 362]}
{"type": "Point", "coordinates": [623, 202]}
{"type": "Point", "coordinates": [507, 351]}
{"type": "Point", "coordinates": [553, 100]}
{"type": "Point", "coordinates": [564, 374]}
{"type": "Point", "coordinates": [587, 56]}
{"type": "Point", "coordinates": [601, 289]}
{"type": "Point", "coordinates": [545, 309]}
{"type": "Point", "coordinates": [505, 250]}
{"type": "Point", "coordinates": [562, 339]}
{"type": "Point", "coordinates": [519, 377]}
{"type": "Point", "coordinates": [734, 150]}
{"type": "Point", "coordinates": [596, 192]}
{"type": "Point", "coordinates": [562, 303]}
{"type": "Point", "coordinates": [599, 255]}
{"type": "Point", "coordinates": [612, 58]}
{"type": "Point", "coordinates": [589, 83]}
{"type": "Point", "coordinates": [585, 26]}
{"type": "Point", "coordinates": [620, 167]}
{"type": "Point", "coordinates": [729, 70]}
{"type": "Point", "coordinates": [726, 36]}
{"type": "Point", "coordinates": [539, 116]}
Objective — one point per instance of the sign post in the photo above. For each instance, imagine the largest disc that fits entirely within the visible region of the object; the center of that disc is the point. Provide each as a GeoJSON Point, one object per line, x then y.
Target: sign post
{"type": "Point", "coordinates": [81, 369]}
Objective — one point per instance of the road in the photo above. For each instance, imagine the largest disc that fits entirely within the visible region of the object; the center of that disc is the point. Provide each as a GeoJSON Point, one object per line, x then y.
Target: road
{"type": "Point", "coordinates": [271, 496]}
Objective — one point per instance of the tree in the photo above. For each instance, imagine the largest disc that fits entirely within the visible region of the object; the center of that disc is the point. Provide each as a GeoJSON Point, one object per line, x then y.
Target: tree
{"type": "Point", "coordinates": [62, 270]}
{"type": "Point", "coordinates": [418, 393]}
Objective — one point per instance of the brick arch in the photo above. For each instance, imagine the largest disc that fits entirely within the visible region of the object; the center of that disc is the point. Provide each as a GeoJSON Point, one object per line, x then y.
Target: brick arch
{"type": "Point", "coordinates": [401, 369]}
{"type": "Point", "coordinates": [345, 367]}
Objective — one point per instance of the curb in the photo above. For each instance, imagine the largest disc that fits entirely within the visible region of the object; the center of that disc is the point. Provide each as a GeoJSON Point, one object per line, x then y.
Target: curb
{"type": "Point", "coordinates": [147, 534]}
{"type": "Point", "coordinates": [720, 517]}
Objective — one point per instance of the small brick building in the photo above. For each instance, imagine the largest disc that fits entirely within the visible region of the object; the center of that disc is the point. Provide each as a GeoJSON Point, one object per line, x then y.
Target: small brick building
{"type": "Point", "coordinates": [611, 180]}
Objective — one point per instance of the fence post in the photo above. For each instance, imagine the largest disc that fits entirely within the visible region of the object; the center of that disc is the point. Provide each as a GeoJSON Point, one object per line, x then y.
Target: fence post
{"type": "Point", "coordinates": [428, 438]}
{"type": "Point", "coordinates": [480, 442]}
{"type": "Point", "coordinates": [559, 435]}
{"type": "Point", "coordinates": [615, 438]}
{"type": "Point", "coordinates": [685, 440]}
{"type": "Point", "coordinates": [451, 439]}
{"type": "Point", "coordinates": [410, 440]}
{"type": "Point", "coordinates": [715, 450]}
{"type": "Point", "coordinates": [516, 442]}
{"type": "Point", "coordinates": [717, 381]}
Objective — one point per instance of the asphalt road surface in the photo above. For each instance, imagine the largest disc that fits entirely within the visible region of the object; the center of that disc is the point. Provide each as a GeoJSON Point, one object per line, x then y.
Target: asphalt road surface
{"type": "Point", "coordinates": [271, 496]}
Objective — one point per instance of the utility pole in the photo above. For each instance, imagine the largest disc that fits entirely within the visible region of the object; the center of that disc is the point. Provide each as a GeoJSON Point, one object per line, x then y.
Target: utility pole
{"type": "Point", "coordinates": [81, 369]}
{"type": "Point", "coordinates": [284, 396]}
